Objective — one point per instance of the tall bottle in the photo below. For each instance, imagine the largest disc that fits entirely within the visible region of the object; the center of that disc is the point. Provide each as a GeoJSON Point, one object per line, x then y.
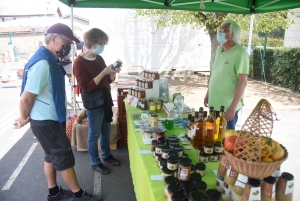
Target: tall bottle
{"type": "Point", "coordinates": [187, 128]}
{"type": "Point", "coordinates": [178, 108]}
{"type": "Point", "coordinates": [199, 125]}
{"type": "Point", "coordinates": [210, 127]}
{"type": "Point", "coordinates": [220, 125]}
{"type": "Point", "coordinates": [191, 132]}
{"type": "Point", "coordinates": [196, 116]}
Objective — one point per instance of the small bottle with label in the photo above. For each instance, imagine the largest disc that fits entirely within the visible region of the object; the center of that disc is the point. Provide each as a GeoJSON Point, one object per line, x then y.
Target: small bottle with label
{"type": "Point", "coordinates": [252, 191]}
{"type": "Point", "coordinates": [238, 188]}
{"type": "Point", "coordinates": [220, 125]}
{"type": "Point", "coordinates": [199, 132]}
{"type": "Point", "coordinates": [285, 187]}
{"type": "Point", "coordinates": [221, 174]}
{"type": "Point", "coordinates": [268, 189]}
{"type": "Point", "coordinates": [210, 127]}
{"type": "Point", "coordinates": [229, 181]}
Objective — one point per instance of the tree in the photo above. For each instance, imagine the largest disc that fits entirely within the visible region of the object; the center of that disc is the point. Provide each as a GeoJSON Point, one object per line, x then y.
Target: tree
{"type": "Point", "coordinates": [211, 21]}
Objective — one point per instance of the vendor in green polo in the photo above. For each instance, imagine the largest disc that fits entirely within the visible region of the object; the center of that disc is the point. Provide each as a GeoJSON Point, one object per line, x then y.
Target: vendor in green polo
{"type": "Point", "coordinates": [229, 72]}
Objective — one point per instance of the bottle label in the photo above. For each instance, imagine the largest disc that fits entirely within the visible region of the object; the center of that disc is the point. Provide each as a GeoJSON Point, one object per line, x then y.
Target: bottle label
{"type": "Point", "coordinates": [252, 193]}
{"type": "Point", "coordinates": [220, 185]}
{"type": "Point", "coordinates": [231, 172]}
{"type": "Point", "coordinates": [239, 183]}
{"type": "Point", "coordinates": [220, 177]}
{"type": "Point", "coordinates": [286, 187]}
{"type": "Point", "coordinates": [227, 189]}
{"type": "Point", "coordinates": [183, 173]}
{"type": "Point", "coordinates": [268, 190]}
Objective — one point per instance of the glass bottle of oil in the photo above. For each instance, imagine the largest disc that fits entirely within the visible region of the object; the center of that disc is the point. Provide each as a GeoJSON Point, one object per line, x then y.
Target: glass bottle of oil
{"type": "Point", "coordinates": [199, 125]}
{"type": "Point", "coordinates": [196, 116]}
{"type": "Point", "coordinates": [187, 125]}
{"type": "Point", "coordinates": [220, 125]}
{"type": "Point", "coordinates": [191, 129]}
{"type": "Point", "coordinates": [210, 127]}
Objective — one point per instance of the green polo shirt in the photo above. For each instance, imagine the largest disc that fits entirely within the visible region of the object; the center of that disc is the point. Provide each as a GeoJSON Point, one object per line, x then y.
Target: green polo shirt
{"type": "Point", "coordinates": [225, 69]}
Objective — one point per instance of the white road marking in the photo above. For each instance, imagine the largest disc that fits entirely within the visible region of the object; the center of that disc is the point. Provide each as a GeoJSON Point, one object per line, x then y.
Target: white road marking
{"type": "Point", "coordinates": [97, 184]}
{"type": "Point", "coordinates": [19, 168]}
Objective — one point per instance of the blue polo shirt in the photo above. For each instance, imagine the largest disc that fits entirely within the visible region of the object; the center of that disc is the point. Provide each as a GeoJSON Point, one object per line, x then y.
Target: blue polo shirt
{"type": "Point", "coordinates": [39, 82]}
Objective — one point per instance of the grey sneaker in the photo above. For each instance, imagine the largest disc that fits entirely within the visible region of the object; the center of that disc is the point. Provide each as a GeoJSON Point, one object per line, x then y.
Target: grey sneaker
{"type": "Point", "coordinates": [85, 197]}
{"type": "Point", "coordinates": [62, 194]}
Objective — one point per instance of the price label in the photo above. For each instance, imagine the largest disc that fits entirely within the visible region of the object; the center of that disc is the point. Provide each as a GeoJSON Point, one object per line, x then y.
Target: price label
{"type": "Point", "coordinates": [156, 177]}
{"type": "Point", "coordinates": [145, 152]}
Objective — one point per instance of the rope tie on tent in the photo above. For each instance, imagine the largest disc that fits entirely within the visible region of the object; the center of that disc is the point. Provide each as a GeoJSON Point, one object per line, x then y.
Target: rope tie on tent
{"type": "Point", "coordinates": [202, 6]}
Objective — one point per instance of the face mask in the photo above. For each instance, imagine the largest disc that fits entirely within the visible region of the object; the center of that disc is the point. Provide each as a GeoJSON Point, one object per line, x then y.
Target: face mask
{"type": "Point", "coordinates": [98, 50]}
{"type": "Point", "coordinates": [221, 38]}
{"type": "Point", "coordinates": [64, 51]}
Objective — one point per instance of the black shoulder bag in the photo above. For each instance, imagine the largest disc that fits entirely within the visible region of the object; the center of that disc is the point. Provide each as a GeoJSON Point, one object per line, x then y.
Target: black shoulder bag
{"type": "Point", "coordinates": [93, 99]}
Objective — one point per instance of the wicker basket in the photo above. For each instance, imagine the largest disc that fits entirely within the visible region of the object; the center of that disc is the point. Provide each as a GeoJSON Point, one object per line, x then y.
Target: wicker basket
{"type": "Point", "coordinates": [248, 147]}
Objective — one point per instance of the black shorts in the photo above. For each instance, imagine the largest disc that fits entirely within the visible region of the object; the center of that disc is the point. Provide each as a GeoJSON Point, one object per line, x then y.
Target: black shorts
{"type": "Point", "coordinates": [55, 143]}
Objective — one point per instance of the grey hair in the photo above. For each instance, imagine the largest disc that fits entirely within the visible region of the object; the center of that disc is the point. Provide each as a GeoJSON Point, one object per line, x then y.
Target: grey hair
{"type": "Point", "coordinates": [48, 37]}
{"type": "Point", "coordinates": [234, 29]}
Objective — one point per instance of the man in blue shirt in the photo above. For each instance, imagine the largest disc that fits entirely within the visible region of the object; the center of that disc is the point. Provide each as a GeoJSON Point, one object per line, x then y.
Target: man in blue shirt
{"type": "Point", "coordinates": [43, 104]}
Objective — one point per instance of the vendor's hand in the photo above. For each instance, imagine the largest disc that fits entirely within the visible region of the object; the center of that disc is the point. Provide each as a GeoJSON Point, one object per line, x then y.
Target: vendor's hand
{"type": "Point", "coordinates": [108, 70]}
{"type": "Point", "coordinates": [19, 122]}
{"type": "Point", "coordinates": [206, 100]}
{"type": "Point", "coordinates": [230, 113]}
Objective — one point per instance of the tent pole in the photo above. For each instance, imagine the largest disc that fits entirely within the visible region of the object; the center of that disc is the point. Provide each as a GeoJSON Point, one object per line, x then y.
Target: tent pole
{"type": "Point", "coordinates": [73, 57]}
{"type": "Point", "coordinates": [250, 33]}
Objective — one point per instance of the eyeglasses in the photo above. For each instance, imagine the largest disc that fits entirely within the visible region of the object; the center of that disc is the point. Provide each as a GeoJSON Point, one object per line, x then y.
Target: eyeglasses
{"type": "Point", "coordinates": [65, 41]}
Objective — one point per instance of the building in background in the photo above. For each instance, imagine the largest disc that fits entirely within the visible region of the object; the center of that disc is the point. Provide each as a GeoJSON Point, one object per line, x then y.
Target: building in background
{"type": "Point", "coordinates": [292, 34]}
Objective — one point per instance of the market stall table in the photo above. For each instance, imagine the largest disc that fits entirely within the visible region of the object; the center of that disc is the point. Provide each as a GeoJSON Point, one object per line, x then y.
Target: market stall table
{"type": "Point", "coordinates": [142, 166]}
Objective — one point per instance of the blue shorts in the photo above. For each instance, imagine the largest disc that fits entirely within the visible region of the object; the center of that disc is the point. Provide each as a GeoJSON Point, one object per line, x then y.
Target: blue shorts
{"type": "Point", "coordinates": [55, 143]}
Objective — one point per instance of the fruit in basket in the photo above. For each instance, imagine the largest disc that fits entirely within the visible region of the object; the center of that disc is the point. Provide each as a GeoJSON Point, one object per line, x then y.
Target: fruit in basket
{"type": "Point", "coordinates": [231, 132]}
{"type": "Point", "coordinates": [266, 160]}
{"type": "Point", "coordinates": [266, 146]}
{"type": "Point", "coordinates": [229, 143]}
{"type": "Point", "coordinates": [278, 152]}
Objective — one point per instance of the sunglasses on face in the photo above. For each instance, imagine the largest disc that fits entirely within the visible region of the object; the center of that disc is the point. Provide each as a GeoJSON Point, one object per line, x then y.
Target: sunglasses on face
{"type": "Point", "coordinates": [65, 41]}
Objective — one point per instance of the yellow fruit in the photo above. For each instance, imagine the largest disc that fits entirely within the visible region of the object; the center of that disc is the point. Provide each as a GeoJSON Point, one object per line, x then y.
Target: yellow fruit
{"type": "Point", "coordinates": [231, 133]}
{"type": "Point", "coordinates": [266, 146]}
{"type": "Point", "coordinates": [278, 152]}
{"type": "Point", "coordinates": [267, 160]}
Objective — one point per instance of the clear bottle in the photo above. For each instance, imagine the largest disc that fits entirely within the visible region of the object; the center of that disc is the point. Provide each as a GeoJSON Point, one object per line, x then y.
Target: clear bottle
{"type": "Point", "coordinates": [238, 188]}
{"type": "Point", "coordinates": [220, 126]}
{"type": "Point", "coordinates": [199, 125]}
{"type": "Point", "coordinates": [229, 182]}
{"type": "Point", "coordinates": [221, 174]}
{"type": "Point", "coordinates": [285, 187]}
{"type": "Point", "coordinates": [210, 127]}
{"type": "Point", "coordinates": [268, 189]}
{"type": "Point", "coordinates": [178, 108]}
{"type": "Point", "coordinates": [252, 191]}
{"type": "Point", "coordinates": [164, 97]}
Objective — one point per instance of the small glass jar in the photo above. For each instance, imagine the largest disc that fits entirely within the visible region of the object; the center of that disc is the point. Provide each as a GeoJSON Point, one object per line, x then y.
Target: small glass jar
{"type": "Point", "coordinates": [143, 104]}
{"type": "Point", "coordinates": [137, 82]}
{"type": "Point", "coordinates": [162, 140]}
{"type": "Point", "coordinates": [212, 195]}
{"type": "Point", "coordinates": [208, 148]}
{"type": "Point", "coordinates": [268, 189]}
{"type": "Point", "coordinates": [173, 144]}
{"type": "Point", "coordinates": [157, 157]}
{"type": "Point", "coordinates": [285, 187]}
{"type": "Point", "coordinates": [184, 169]}
{"type": "Point", "coordinates": [140, 83]}
{"type": "Point", "coordinates": [196, 196]}
{"type": "Point", "coordinates": [188, 187]}
{"type": "Point", "coordinates": [136, 92]}
{"type": "Point", "coordinates": [173, 153]}
{"type": "Point", "coordinates": [155, 75]}
{"type": "Point", "coordinates": [149, 75]}
{"type": "Point", "coordinates": [169, 180]}
{"type": "Point", "coordinates": [160, 133]}
{"type": "Point", "coordinates": [152, 106]}
{"type": "Point", "coordinates": [130, 91]}
{"type": "Point", "coordinates": [149, 84]}
{"type": "Point", "coordinates": [201, 186]}
{"type": "Point", "coordinates": [165, 152]}
{"type": "Point", "coordinates": [252, 190]}
{"type": "Point", "coordinates": [133, 91]}
{"type": "Point", "coordinates": [203, 158]}
{"type": "Point", "coordinates": [158, 148]}
{"type": "Point", "coordinates": [162, 163]}
{"type": "Point", "coordinates": [172, 137]}
{"type": "Point", "coordinates": [179, 149]}
{"type": "Point", "coordinates": [196, 177]}
{"type": "Point", "coordinates": [153, 120]}
{"type": "Point", "coordinates": [213, 157]}
{"type": "Point", "coordinates": [144, 73]}
{"type": "Point", "coordinates": [200, 149]}
{"type": "Point", "coordinates": [141, 93]}
{"type": "Point", "coordinates": [172, 163]}
{"type": "Point", "coordinates": [158, 106]}
{"type": "Point", "coordinates": [166, 172]}
{"type": "Point", "coordinates": [172, 189]}
{"type": "Point", "coordinates": [200, 168]}
{"type": "Point", "coordinates": [218, 148]}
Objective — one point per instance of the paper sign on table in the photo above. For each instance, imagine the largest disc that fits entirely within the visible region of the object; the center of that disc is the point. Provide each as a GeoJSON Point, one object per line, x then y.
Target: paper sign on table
{"type": "Point", "coordinates": [156, 177]}
{"type": "Point", "coordinates": [132, 100]}
{"type": "Point", "coordinates": [188, 147]}
{"type": "Point", "coordinates": [180, 135]}
{"type": "Point", "coordinates": [185, 142]}
{"type": "Point", "coordinates": [145, 152]}
{"type": "Point", "coordinates": [184, 139]}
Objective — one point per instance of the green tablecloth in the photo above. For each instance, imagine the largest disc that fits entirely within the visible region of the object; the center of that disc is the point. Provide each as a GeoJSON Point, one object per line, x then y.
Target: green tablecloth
{"type": "Point", "coordinates": [144, 165]}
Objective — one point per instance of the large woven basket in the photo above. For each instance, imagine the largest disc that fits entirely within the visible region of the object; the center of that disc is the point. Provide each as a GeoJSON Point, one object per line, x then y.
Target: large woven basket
{"type": "Point", "coordinates": [248, 147]}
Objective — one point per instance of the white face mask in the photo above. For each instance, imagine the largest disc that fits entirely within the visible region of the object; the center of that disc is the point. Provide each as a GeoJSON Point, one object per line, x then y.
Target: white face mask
{"type": "Point", "coordinates": [221, 37]}
{"type": "Point", "coordinates": [98, 50]}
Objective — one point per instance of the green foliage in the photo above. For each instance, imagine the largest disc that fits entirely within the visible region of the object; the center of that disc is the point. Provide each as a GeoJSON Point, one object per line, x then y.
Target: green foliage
{"type": "Point", "coordinates": [282, 66]}
{"type": "Point", "coordinates": [271, 42]}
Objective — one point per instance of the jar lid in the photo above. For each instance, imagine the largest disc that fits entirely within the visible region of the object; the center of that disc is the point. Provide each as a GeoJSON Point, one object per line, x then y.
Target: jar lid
{"type": "Point", "coordinates": [184, 155]}
{"type": "Point", "coordinates": [173, 140]}
{"type": "Point", "coordinates": [172, 159]}
{"type": "Point", "coordinates": [213, 194]}
{"type": "Point", "coordinates": [218, 144]}
{"type": "Point", "coordinates": [173, 153]}
{"type": "Point", "coordinates": [188, 186]}
{"type": "Point", "coordinates": [162, 140]}
{"type": "Point", "coordinates": [173, 143]}
{"type": "Point", "coordinates": [173, 188]}
{"type": "Point", "coordinates": [160, 145]}
{"type": "Point", "coordinates": [171, 180]}
{"type": "Point", "coordinates": [185, 162]}
{"type": "Point", "coordinates": [196, 177]}
{"type": "Point", "coordinates": [154, 115]}
{"type": "Point", "coordinates": [200, 185]}
{"type": "Point", "coordinates": [160, 131]}
{"type": "Point", "coordinates": [177, 148]}
{"type": "Point", "coordinates": [166, 170]}
{"type": "Point", "coordinates": [172, 137]}
{"type": "Point", "coordinates": [166, 149]}
{"type": "Point", "coordinates": [253, 182]}
{"type": "Point", "coordinates": [197, 196]}
{"type": "Point", "coordinates": [287, 176]}
{"type": "Point", "coordinates": [200, 166]}
{"type": "Point", "coordinates": [178, 196]}
{"type": "Point", "coordinates": [208, 145]}
{"type": "Point", "coordinates": [270, 180]}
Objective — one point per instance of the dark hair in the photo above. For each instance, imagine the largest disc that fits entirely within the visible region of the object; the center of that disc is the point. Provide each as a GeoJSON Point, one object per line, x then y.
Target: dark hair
{"type": "Point", "coordinates": [93, 36]}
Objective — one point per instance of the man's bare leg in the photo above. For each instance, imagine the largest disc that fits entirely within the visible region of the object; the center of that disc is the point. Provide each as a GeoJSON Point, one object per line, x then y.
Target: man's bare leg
{"type": "Point", "coordinates": [50, 173]}
{"type": "Point", "coordinates": [70, 179]}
